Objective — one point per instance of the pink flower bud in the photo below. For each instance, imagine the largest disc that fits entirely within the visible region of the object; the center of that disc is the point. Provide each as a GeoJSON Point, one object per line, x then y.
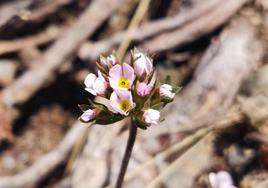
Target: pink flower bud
{"type": "Point", "coordinates": [151, 116]}
{"type": "Point", "coordinates": [143, 89]}
{"type": "Point", "coordinates": [88, 115]}
{"type": "Point", "coordinates": [142, 64]}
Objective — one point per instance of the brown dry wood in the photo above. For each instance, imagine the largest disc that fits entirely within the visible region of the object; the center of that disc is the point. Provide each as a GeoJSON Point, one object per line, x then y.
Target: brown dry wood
{"type": "Point", "coordinates": [147, 30]}
{"type": "Point", "coordinates": [42, 167]}
{"type": "Point", "coordinates": [49, 34]}
{"type": "Point", "coordinates": [11, 9]}
{"type": "Point", "coordinates": [63, 48]}
{"type": "Point", "coordinates": [217, 79]}
{"type": "Point", "coordinates": [188, 25]}
{"type": "Point", "coordinates": [196, 28]}
{"type": "Point", "coordinates": [46, 8]}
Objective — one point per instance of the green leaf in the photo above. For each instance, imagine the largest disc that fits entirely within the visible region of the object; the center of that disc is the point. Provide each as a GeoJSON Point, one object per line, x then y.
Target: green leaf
{"type": "Point", "coordinates": [144, 127]}
{"type": "Point", "coordinates": [158, 106]}
{"type": "Point", "coordinates": [176, 89]}
{"type": "Point", "coordinates": [84, 107]}
{"type": "Point", "coordinates": [103, 101]}
{"type": "Point", "coordinates": [168, 80]}
{"type": "Point", "coordinates": [139, 123]}
{"type": "Point", "coordinates": [105, 118]}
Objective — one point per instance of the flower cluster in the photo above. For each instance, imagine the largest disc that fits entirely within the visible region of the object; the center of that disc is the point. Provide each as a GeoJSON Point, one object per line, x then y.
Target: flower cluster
{"type": "Point", "coordinates": [126, 89]}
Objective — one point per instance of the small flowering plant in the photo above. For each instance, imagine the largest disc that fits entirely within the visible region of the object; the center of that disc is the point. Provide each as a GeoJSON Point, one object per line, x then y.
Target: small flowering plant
{"type": "Point", "coordinates": [126, 90]}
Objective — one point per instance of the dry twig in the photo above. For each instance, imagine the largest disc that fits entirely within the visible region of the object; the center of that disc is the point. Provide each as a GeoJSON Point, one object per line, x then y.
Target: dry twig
{"type": "Point", "coordinates": [64, 47]}
{"type": "Point", "coordinates": [40, 169]}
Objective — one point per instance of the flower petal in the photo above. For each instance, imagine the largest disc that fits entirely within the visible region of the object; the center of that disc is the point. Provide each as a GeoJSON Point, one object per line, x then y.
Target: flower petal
{"type": "Point", "coordinates": [99, 86]}
{"type": "Point", "coordinates": [128, 72]}
{"type": "Point", "coordinates": [90, 79]}
{"type": "Point", "coordinates": [149, 65]}
{"type": "Point", "coordinates": [113, 83]}
{"type": "Point", "coordinates": [100, 76]}
{"type": "Point", "coordinates": [88, 115]}
{"type": "Point", "coordinates": [115, 72]}
{"type": "Point", "coordinates": [92, 91]}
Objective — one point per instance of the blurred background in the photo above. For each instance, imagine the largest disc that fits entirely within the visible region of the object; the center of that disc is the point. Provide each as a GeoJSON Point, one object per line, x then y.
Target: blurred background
{"type": "Point", "coordinates": [215, 50]}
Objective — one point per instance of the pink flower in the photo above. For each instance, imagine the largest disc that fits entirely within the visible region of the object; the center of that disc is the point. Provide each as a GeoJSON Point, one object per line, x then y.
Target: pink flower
{"type": "Point", "coordinates": [151, 116]}
{"type": "Point", "coordinates": [122, 102]}
{"type": "Point", "coordinates": [88, 115]}
{"type": "Point", "coordinates": [221, 179]}
{"type": "Point", "coordinates": [121, 76]}
{"type": "Point", "coordinates": [95, 85]}
{"type": "Point", "coordinates": [143, 89]}
{"type": "Point", "coordinates": [142, 64]}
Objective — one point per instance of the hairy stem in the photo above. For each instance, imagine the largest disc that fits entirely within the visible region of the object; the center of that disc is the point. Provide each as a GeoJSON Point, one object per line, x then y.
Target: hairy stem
{"type": "Point", "coordinates": [127, 155]}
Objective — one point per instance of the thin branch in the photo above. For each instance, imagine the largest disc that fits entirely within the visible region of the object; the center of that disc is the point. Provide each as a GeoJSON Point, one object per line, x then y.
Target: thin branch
{"type": "Point", "coordinates": [77, 149]}
{"type": "Point", "coordinates": [141, 10]}
{"type": "Point", "coordinates": [39, 170]}
{"type": "Point", "coordinates": [181, 146]}
{"type": "Point", "coordinates": [196, 28]}
{"type": "Point", "coordinates": [30, 82]}
{"type": "Point", "coordinates": [48, 35]}
{"type": "Point", "coordinates": [184, 23]}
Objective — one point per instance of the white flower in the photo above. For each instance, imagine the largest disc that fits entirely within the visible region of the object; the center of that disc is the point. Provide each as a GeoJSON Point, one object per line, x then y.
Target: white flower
{"type": "Point", "coordinates": [166, 91]}
{"type": "Point", "coordinates": [151, 116]}
{"type": "Point", "coordinates": [88, 115]}
{"type": "Point", "coordinates": [95, 85]}
{"type": "Point", "coordinates": [142, 64]}
{"type": "Point", "coordinates": [221, 179]}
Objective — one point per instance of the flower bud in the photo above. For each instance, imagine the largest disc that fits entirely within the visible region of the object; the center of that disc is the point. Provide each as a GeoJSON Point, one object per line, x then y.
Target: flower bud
{"type": "Point", "coordinates": [142, 64]}
{"type": "Point", "coordinates": [88, 115]}
{"type": "Point", "coordinates": [151, 116]}
{"type": "Point", "coordinates": [95, 85]}
{"type": "Point", "coordinates": [165, 91]}
{"type": "Point", "coordinates": [143, 89]}
{"type": "Point", "coordinates": [221, 179]}
{"type": "Point", "coordinates": [111, 60]}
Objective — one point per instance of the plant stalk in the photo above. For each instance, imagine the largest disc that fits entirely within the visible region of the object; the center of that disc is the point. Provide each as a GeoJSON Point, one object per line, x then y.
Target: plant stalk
{"type": "Point", "coordinates": [127, 154]}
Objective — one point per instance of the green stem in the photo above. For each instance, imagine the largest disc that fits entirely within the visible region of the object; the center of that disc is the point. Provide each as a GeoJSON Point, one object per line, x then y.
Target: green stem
{"type": "Point", "coordinates": [127, 155]}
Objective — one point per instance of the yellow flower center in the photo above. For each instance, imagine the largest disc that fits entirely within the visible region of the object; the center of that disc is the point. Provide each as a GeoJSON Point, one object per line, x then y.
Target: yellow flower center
{"type": "Point", "coordinates": [123, 82]}
{"type": "Point", "coordinates": [124, 105]}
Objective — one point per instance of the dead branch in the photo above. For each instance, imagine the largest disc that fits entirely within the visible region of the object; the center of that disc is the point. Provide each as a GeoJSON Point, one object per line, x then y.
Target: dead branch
{"type": "Point", "coordinates": [40, 169]}
{"type": "Point", "coordinates": [231, 58]}
{"type": "Point", "coordinates": [12, 9]}
{"type": "Point", "coordinates": [196, 28]}
{"type": "Point", "coordinates": [46, 8]}
{"type": "Point", "coordinates": [196, 19]}
{"type": "Point", "coordinates": [64, 47]}
{"type": "Point", "coordinates": [48, 35]}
